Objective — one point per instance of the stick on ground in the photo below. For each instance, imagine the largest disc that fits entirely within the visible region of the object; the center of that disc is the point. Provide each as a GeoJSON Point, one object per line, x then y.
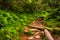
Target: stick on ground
{"type": "Point", "coordinates": [47, 33]}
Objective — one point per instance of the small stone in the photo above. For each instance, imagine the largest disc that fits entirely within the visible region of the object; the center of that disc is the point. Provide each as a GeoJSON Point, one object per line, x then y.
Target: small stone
{"type": "Point", "coordinates": [30, 37]}
{"type": "Point", "coordinates": [37, 36]}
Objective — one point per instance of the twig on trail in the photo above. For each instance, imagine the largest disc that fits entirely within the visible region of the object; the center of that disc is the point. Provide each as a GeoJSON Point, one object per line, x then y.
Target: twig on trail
{"type": "Point", "coordinates": [47, 33]}
{"type": "Point", "coordinates": [42, 28]}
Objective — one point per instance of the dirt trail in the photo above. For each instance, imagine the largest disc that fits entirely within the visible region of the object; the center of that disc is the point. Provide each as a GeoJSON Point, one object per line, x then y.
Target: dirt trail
{"type": "Point", "coordinates": [36, 35]}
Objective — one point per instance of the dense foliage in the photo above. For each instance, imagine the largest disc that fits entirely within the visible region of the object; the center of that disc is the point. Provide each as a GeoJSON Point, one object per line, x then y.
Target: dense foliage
{"type": "Point", "coordinates": [31, 5]}
{"type": "Point", "coordinates": [21, 12]}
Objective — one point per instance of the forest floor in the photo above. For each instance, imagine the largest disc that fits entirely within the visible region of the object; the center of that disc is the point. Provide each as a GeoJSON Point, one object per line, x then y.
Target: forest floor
{"type": "Point", "coordinates": [37, 34]}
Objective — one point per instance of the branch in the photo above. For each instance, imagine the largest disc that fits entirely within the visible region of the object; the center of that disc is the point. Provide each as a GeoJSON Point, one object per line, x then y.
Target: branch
{"type": "Point", "coordinates": [42, 28]}
{"type": "Point", "coordinates": [47, 33]}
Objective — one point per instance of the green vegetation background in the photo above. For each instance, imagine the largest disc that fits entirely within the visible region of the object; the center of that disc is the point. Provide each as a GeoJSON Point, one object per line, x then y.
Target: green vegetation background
{"type": "Point", "coordinates": [16, 14]}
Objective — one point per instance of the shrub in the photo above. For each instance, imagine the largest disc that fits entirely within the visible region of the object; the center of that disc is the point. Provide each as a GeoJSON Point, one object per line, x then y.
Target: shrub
{"type": "Point", "coordinates": [8, 19]}
{"type": "Point", "coordinates": [9, 33]}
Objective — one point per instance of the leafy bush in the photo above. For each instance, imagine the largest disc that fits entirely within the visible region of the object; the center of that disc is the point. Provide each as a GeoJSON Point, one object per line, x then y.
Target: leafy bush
{"type": "Point", "coordinates": [8, 19]}
{"type": "Point", "coordinates": [52, 20]}
{"type": "Point", "coordinates": [9, 33]}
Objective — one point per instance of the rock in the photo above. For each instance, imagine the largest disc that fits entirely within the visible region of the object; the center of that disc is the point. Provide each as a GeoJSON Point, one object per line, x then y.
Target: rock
{"type": "Point", "coordinates": [29, 38]}
{"type": "Point", "coordinates": [37, 36]}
